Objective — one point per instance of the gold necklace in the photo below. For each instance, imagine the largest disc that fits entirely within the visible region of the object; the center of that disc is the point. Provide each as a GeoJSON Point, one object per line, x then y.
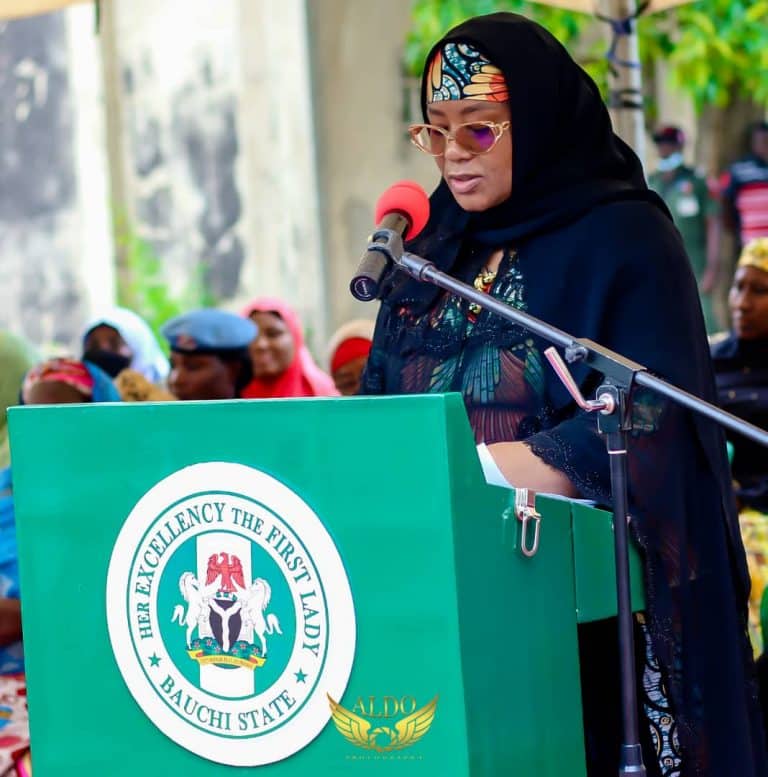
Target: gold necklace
{"type": "Point", "coordinates": [483, 283]}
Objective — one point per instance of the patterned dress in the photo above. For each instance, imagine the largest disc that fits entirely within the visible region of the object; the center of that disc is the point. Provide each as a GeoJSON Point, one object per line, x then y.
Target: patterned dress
{"type": "Point", "coordinates": [14, 719]}
{"type": "Point", "coordinates": [499, 370]}
{"type": "Point", "coordinates": [741, 372]}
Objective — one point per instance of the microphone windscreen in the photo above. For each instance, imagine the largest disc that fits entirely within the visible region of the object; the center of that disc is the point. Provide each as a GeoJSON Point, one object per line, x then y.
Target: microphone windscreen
{"type": "Point", "coordinates": [408, 199]}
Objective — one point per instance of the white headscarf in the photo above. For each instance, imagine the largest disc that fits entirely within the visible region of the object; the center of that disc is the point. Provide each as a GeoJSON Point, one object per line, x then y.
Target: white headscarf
{"type": "Point", "coordinates": [148, 359]}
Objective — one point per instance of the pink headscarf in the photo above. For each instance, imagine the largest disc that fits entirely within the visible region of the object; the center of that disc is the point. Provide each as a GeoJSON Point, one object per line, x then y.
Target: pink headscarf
{"type": "Point", "coordinates": [303, 378]}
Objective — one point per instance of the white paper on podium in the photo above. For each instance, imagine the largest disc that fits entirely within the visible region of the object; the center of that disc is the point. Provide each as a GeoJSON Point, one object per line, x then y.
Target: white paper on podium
{"type": "Point", "coordinates": [494, 477]}
{"type": "Point", "coordinates": [491, 471]}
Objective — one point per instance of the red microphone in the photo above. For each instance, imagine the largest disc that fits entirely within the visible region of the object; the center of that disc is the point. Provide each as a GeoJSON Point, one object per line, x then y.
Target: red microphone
{"type": "Point", "coordinates": [403, 209]}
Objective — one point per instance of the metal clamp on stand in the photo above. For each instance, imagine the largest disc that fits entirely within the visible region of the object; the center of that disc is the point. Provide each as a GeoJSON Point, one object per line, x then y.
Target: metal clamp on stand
{"type": "Point", "coordinates": [525, 511]}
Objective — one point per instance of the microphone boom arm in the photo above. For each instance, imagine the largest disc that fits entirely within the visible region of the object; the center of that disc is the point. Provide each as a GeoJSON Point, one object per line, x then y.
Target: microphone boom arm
{"type": "Point", "coordinates": [619, 370]}
{"type": "Point", "coordinates": [613, 406]}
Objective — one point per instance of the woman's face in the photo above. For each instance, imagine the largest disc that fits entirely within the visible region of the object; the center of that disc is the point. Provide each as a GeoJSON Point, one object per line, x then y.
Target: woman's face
{"type": "Point", "coordinates": [106, 338]}
{"type": "Point", "coordinates": [202, 376]}
{"type": "Point", "coordinates": [748, 301]}
{"type": "Point", "coordinates": [478, 182]}
{"type": "Point", "coordinates": [347, 377]}
{"type": "Point", "coordinates": [273, 348]}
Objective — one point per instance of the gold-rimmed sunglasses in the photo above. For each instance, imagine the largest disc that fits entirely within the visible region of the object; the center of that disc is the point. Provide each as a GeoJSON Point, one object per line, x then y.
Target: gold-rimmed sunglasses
{"type": "Point", "coordinates": [477, 137]}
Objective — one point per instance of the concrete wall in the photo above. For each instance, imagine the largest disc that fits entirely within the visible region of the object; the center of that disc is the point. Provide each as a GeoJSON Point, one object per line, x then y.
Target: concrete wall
{"type": "Point", "coordinates": [360, 107]}
{"type": "Point", "coordinates": [246, 144]}
{"type": "Point", "coordinates": [286, 249]}
{"type": "Point", "coordinates": [212, 148]}
{"type": "Point", "coordinates": [173, 86]}
{"type": "Point", "coordinates": [55, 244]}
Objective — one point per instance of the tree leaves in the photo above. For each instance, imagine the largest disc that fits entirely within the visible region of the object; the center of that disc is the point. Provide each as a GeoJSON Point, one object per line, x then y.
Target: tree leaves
{"type": "Point", "coordinates": [715, 50]}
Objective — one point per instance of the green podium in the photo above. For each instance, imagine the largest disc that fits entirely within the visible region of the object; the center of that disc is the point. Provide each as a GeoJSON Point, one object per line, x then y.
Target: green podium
{"type": "Point", "coordinates": [297, 587]}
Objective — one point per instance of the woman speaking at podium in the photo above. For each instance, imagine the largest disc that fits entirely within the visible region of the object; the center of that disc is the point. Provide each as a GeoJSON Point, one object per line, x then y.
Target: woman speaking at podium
{"type": "Point", "coordinates": [541, 205]}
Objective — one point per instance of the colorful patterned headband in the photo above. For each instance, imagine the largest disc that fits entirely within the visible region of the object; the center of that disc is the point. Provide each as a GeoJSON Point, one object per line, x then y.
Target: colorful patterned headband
{"type": "Point", "coordinates": [755, 254]}
{"type": "Point", "coordinates": [460, 72]}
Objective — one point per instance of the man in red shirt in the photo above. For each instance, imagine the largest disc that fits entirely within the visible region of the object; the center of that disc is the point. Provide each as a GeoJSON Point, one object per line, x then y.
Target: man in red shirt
{"type": "Point", "coordinates": [745, 190]}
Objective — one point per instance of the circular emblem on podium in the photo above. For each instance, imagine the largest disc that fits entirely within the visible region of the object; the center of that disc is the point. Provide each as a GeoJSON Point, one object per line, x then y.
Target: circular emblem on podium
{"type": "Point", "coordinates": [230, 614]}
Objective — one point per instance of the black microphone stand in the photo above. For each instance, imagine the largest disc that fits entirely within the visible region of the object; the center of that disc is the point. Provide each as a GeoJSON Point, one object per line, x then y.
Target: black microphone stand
{"type": "Point", "coordinates": [613, 404]}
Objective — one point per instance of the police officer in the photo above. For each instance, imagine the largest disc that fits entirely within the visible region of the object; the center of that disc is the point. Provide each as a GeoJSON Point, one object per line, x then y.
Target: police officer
{"type": "Point", "coordinates": [209, 354]}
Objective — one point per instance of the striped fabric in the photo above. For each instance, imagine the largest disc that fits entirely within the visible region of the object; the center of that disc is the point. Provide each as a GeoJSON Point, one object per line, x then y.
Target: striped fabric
{"type": "Point", "coordinates": [746, 189]}
{"type": "Point", "coordinates": [752, 205]}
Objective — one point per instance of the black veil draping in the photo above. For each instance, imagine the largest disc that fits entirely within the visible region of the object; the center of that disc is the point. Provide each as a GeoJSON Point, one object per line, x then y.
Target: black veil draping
{"type": "Point", "coordinates": [601, 259]}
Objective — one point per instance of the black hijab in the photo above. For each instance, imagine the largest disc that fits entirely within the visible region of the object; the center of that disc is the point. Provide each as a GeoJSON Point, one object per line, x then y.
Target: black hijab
{"type": "Point", "coordinates": [566, 157]}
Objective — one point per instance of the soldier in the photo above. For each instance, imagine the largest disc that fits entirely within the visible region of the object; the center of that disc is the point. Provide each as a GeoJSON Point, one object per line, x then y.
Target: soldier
{"type": "Point", "coordinates": [695, 213]}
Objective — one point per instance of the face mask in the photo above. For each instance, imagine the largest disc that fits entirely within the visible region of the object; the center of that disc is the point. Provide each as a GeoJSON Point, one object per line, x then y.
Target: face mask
{"type": "Point", "coordinates": [672, 162]}
{"type": "Point", "coordinates": [112, 363]}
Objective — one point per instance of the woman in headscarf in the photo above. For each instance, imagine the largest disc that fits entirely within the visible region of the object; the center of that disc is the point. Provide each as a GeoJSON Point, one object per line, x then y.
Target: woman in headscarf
{"type": "Point", "coordinates": [542, 206]}
{"type": "Point", "coordinates": [64, 381]}
{"type": "Point", "coordinates": [86, 384]}
{"type": "Point", "coordinates": [16, 357]}
{"type": "Point", "coordinates": [741, 372]}
{"type": "Point", "coordinates": [348, 351]}
{"type": "Point", "coordinates": [52, 382]}
{"type": "Point", "coordinates": [118, 339]}
{"type": "Point", "coordinates": [282, 364]}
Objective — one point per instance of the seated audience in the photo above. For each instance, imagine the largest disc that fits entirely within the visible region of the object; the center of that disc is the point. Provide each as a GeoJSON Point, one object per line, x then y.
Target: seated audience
{"type": "Point", "coordinates": [282, 364]}
{"type": "Point", "coordinates": [118, 339]}
{"type": "Point", "coordinates": [209, 354]}
{"type": "Point", "coordinates": [57, 380]}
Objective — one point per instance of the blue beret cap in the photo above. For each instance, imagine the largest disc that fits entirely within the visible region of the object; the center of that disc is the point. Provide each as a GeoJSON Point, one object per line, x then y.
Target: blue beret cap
{"type": "Point", "coordinates": [208, 331]}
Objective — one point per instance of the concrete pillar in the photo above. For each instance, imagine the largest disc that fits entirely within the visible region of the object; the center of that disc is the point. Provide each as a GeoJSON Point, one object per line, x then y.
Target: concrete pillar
{"type": "Point", "coordinates": [212, 151]}
{"type": "Point", "coordinates": [55, 249]}
{"type": "Point", "coordinates": [362, 106]}
{"type": "Point", "coordinates": [172, 75]}
{"type": "Point", "coordinates": [280, 164]}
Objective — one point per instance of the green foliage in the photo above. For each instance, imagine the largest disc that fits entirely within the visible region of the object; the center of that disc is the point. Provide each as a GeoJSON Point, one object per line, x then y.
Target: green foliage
{"type": "Point", "coordinates": [716, 50]}
{"type": "Point", "coordinates": [142, 286]}
{"type": "Point", "coordinates": [431, 19]}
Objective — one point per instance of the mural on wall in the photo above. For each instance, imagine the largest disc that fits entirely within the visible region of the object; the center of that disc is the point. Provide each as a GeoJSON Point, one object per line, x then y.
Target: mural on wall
{"type": "Point", "coordinates": [182, 153]}
{"type": "Point", "coordinates": [41, 295]}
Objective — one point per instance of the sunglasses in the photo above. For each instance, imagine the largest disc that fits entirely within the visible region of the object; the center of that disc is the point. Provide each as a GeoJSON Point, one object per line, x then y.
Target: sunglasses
{"type": "Point", "coordinates": [477, 137]}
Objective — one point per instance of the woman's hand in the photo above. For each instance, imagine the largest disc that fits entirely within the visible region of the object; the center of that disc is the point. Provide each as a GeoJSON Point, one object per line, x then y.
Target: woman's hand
{"type": "Point", "coordinates": [523, 469]}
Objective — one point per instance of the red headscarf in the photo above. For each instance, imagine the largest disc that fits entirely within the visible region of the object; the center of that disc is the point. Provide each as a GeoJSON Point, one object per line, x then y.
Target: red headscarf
{"type": "Point", "coordinates": [350, 341]}
{"type": "Point", "coordinates": [303, 378]}
{"type": "Point", "coordinates": [61, 370]}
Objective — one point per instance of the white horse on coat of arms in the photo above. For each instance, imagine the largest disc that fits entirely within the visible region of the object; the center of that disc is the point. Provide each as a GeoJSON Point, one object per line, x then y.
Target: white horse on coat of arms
{"type": "Point", "coordinates": [254, 600]}
{"type": "Point", "coordinates": [198, 599]}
